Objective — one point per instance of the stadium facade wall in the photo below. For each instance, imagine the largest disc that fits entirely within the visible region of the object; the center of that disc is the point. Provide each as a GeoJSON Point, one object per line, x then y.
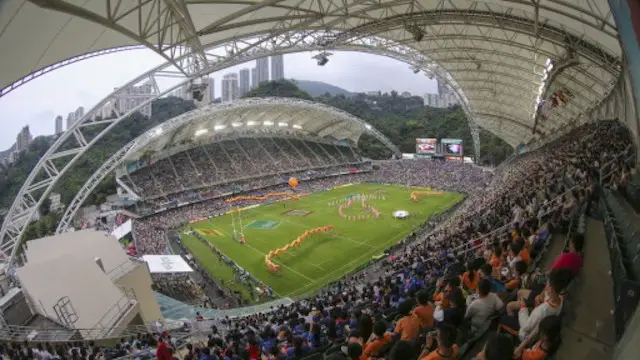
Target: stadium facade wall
{"type": "Point", "coordinates": [138, 280]}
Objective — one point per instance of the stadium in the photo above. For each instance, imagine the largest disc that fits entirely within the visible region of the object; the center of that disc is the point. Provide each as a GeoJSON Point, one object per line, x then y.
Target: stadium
{"type": "Point", "coordinates": [257, 229]}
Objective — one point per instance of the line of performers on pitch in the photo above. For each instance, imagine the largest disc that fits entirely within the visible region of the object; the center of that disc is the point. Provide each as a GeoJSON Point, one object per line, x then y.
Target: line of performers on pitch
{"type": "Point", "coordinates": [295, 243]}
{"type": "Point", "coordinates": [372, 210]}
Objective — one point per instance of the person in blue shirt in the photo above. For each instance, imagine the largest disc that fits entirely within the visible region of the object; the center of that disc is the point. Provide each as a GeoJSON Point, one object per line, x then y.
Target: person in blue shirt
{"type": "Point", "coordinates": [298, 349]}
{"type": "Point", "coordinates": [485, 273]}
{"type": "Point", "coordinates": [314, 337]}
{"type": "Point", "coordinates": [267, 339]}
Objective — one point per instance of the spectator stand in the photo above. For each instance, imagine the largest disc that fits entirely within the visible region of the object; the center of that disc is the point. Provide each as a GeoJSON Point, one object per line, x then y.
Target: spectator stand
{"type": "Point", "coordinates": [530, 191]}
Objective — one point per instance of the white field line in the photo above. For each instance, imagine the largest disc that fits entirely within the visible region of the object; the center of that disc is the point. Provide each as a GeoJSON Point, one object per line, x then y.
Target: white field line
{"type": "Point", "coordinates": [358, 258]}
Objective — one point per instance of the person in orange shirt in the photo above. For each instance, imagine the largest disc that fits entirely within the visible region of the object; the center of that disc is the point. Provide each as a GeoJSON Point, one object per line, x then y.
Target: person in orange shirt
{"type": "Point", "coordinates": [499, 346]}
{"type": "Point", "coordinates": [496, 260]}
{"type": "Point", "coordinates": [524, 252]}
{"type": "Point", "coordinates": [408, 327]}
{"type": "Point", "coordinates": [548, 344]}
{"type": "Point", "coordinates": [470, 277]}
{"type": "Point", "coordinates": [377, 341]}
{"type": "Point", "coordinates": [424, 310]}
{"type": "Point", "coordinates": [445, 349]}
{"type": "Point", "coordinates": [526, 234]}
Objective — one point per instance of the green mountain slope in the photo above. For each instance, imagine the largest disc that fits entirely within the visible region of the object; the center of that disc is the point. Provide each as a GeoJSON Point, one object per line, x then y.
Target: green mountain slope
{"type": "Point", "coordinates": [319, 88]}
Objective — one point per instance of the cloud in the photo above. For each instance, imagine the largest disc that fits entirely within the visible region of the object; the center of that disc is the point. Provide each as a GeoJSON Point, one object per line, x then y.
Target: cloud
{"type": "Point", "coordinates": [38, 102]}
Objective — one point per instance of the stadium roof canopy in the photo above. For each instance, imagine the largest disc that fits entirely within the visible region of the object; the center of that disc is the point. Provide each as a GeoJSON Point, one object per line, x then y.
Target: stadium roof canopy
{"type": "Point", "coordinates": [268, 116]}
{"type": "Point", "coordinates": [493, 53]}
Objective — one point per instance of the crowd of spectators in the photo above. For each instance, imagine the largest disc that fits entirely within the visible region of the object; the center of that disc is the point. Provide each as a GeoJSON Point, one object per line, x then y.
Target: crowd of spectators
{"type": "Point", "coordinates": [445, 175]}
{"type": "Point", "coordinates": [230, 160]}
{"type": "Point", "coordinates": [479, 263]}
{"type": "Point", "coordinates": [180, 287]}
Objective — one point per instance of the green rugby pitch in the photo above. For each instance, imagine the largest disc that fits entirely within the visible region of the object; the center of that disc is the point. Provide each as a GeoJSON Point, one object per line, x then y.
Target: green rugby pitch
{"type": "Point", "coordinates": [323, 257]}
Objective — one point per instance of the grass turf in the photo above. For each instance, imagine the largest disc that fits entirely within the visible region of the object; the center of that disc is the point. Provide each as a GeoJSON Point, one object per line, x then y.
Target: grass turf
{"type": "Point", "coordinates": [323, 257]}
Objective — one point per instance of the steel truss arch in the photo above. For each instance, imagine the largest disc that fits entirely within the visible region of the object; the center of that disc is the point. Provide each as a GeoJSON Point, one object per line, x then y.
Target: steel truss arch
{"type": "Point", "coordinates": [332, 25]}
{"type": "Point", "coordinates": [168, 127]}
{"type": "Point", "coordinates": [510, 23]}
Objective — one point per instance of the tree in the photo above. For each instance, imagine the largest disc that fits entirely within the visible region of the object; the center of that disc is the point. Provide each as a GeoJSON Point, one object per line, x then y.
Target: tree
{"type": "Point", "coordinates": [278, 88]}
{"type": "Point", "coordinates": [401, 119]}
{"type": "Point", "coordinates": [68, 186]}
{"type": "Point", "coordinates": [45, 207]}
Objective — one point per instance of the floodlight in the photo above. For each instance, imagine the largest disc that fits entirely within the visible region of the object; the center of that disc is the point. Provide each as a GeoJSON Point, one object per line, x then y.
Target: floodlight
{"type": "Point", "coordinates": [416, 31]}
{"type": "Point", "coordinates": [322, 58]}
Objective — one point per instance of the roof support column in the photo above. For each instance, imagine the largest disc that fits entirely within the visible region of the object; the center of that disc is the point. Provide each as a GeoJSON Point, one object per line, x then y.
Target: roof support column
{"type": "Point", "coordinates": [475, 136]}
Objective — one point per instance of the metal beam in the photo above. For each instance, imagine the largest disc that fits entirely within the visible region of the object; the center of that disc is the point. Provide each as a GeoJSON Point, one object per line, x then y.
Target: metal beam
{"type": "Point", "coordinates": [160, 25]}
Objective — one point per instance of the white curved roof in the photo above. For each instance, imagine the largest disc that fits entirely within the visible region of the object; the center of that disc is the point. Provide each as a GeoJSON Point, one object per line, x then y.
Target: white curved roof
{"type": "Point", "coordinates": [268, 116]}
{"type": "Point", "coordinates": [495, 50]}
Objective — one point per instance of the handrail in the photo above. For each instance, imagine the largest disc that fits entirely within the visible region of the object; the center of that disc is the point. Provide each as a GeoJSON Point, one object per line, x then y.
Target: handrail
{"type": "Point", "coordinates": [111, 316]}
{"type": "Point", "coordinates": [123, 268]}
{"type": "Point", "coordinates": [615, 157]}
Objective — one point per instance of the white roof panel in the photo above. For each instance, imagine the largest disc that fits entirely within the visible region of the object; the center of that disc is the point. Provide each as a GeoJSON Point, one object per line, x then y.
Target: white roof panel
{"type": "Point", "coordinates": [166, 264]}
{"type": "Point", "coordinates": [510, 40]}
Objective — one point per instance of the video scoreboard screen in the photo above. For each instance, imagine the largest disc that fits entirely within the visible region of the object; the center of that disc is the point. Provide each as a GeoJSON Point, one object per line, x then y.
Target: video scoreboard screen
{"type": "Point", "coordinates": [452, 147]}
{"type": "Point", "coordinates": [426, 146]}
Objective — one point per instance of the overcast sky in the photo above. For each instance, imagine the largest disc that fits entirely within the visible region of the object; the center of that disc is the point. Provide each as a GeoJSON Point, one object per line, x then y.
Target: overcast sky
{"type": "Point", "coordinates": [85, 83]}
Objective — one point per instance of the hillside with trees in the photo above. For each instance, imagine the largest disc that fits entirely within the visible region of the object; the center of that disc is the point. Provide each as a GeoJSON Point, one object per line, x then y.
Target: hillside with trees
{"type": "Point", "coordinates": [319, 88]}
{"type": "Point", "coordinates": [401, 119]}
{"type": "Point", "coordinates": [13, 176]}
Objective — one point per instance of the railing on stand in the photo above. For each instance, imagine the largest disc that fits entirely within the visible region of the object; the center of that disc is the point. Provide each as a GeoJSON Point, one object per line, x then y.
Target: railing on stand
{"type": "Point", "coordinates": [622, 239]}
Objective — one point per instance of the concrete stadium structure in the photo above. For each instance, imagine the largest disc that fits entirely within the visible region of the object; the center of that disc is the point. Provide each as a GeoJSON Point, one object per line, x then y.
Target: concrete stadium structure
{"type": "Point", "coordinates": [494, 55]}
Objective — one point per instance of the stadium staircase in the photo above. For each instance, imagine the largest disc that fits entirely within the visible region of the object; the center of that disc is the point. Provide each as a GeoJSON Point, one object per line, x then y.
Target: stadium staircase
{"type": "Point", "coordinates": [588, 331]}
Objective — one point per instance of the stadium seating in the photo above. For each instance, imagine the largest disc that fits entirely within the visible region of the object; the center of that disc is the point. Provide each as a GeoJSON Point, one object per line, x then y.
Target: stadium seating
{"type": "Point", "coordinates": [541, 193]}
{"type": "Point", "coordinates": [230, 160]}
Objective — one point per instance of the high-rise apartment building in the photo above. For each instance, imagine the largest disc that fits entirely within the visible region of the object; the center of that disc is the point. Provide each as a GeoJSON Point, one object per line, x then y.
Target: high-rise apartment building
{"type": "Point", "coordinates": [23, 139]}
{"type": "Point", "coordinates": [262, 70]}
{"type": "Point", "coordinates": [79, 113]}
{"type": "Point", "coordinates": [440, 101]}
{"type": "Point", "coordinates": [59, 129]}
{"type": "Point", "coordinates": [254, 78]}
{"type": "Point", "coordinates": [182, 92]}
{"type": "Point", "coordinates": [432, 100]}
{"type": "Point", "coordinates": [230, 87]}
{"type": "Point", "coordinates": [245, 81]}
{"type": "Point", "coordinates": [212, 90]}
{"type": "Point", "coordinates": [134, 96]}
{"type": "Point", "coordinates": [442, 88]}
{"type": "Point", "coordinates": [277, 67]}
{"type": "Point", "coordinates": [71, 119]}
